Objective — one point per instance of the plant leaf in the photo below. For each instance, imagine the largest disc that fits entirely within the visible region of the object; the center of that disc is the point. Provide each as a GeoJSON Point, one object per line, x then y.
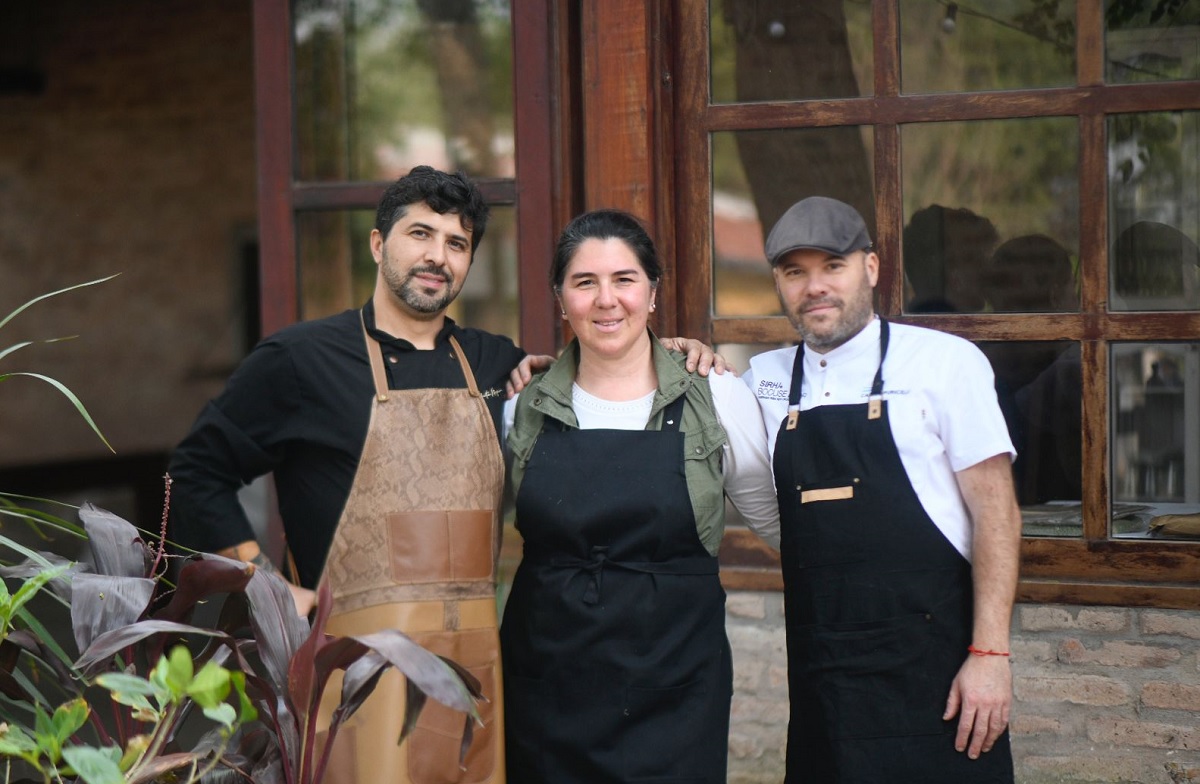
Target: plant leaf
{"type": "Point", "coordinates": [30, 569]}
{"type": "Point", "coordinates": [94, 766]}
{"type": "Point", "coordinates": [117, 547]}
{"type": "Point", "coordinates": [200, 579]}
{"type": "Point", "coordinates": [278, 630]}
{"type": "Point", "coordinates": [154, 769]}
{"type": "Point", "coordinates": [107, 645]}
{"type": "Point", "coordinates": [223, 713]}
{"type": "Point", "coordinates": [16, 312]}
{"type": "Point", "coordinates": [83, 412]}
{"type": "Point", "coordinates": [211, 685]}
{"type": "Point", "coordinates": [430, 674]}
{"type": "Point", "coordinates": [101, 603]}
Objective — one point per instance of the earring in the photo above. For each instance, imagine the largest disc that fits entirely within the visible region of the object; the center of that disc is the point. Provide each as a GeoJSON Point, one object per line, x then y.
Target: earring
{"type": "Point", "coordinates": [564, 314]}
{"type": "Point", "coordinates": [652, 306]}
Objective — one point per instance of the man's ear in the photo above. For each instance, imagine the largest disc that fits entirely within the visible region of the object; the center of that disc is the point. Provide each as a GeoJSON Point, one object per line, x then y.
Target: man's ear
{"type": "Point", "coordinates": [376, 245]}
{"type": "Point", "coordinates": [872, 262]}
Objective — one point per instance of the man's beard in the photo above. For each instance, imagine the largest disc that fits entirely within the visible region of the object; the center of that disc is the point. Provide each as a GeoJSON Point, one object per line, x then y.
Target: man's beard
{"type": "Point", "coordinates": [855, 314]}
{"type": "Point", "coordinates": [411, 292]}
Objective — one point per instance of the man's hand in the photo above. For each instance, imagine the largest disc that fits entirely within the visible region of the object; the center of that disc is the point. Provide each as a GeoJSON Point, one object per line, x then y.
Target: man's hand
{"type": "Point", "coordinates": [700, 356]}
{"type": "Point", "coordinates": [523, 373]}
{"type": "Point", "coordinates": [981, 696]}
{"type": "Point", "coordinates": [249, 551]}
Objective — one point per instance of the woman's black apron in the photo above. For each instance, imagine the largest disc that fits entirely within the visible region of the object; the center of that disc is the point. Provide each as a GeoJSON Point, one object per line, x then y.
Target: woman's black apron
{"type": "Point", "coordinates": [616, 663]}
{"type": "Point", "coordinates": [878, 605]}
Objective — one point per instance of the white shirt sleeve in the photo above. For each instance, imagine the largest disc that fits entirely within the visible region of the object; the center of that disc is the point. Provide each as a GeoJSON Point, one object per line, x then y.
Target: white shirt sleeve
{"type": "Point", "coordinates": [746, 464]}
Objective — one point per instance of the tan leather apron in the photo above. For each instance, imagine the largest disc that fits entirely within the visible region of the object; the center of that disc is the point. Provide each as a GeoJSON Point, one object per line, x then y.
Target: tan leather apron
{"type": "Point", "coordinates": [415, 550]}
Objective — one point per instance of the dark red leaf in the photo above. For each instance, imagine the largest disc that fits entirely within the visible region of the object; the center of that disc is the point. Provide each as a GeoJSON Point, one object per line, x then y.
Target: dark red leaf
{"type": "Point", "coordinates": [202, 579]}
{"type": "Point", "coordinates": [117, 547]}
{"type": "Point", "coordinates": [101, 603]}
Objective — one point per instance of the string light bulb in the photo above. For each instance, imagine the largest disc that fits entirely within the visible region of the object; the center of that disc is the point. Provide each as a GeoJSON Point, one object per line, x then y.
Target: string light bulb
{"type": "Point", "coordinates": [950, 20]}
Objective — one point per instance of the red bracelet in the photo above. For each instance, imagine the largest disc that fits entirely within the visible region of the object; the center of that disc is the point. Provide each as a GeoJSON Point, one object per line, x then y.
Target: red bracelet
{"type": "Point", "coordinates": [980, 652]}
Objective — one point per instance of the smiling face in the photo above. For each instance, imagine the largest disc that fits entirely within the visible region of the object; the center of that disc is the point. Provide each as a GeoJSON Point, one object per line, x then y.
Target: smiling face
{"type": "Point", "coordinates": [827, 298]}
{"type": "Point", "coordinates": [606, 297]}
{"type": "Point", "coordinates": [424, 260]}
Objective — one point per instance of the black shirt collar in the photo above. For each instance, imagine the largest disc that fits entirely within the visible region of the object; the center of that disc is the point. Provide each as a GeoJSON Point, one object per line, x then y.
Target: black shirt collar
{"type": "Point", "coordinates": [400, 344]}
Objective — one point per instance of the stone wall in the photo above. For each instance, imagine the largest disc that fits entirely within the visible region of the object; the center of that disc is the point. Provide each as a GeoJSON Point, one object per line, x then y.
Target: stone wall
{"type": "Point", "coordinates": [1102, 695]}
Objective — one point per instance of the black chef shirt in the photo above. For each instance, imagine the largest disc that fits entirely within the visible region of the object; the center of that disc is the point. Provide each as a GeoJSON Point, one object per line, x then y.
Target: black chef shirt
{"type": "Point", "coordinates": [299, 405]}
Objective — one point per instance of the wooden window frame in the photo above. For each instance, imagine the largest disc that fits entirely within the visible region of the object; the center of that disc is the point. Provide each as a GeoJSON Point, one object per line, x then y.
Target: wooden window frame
{"type": "Point", "coordinates": [541, 151]}
{"type": "Point", "coordinates": [1091, 569]}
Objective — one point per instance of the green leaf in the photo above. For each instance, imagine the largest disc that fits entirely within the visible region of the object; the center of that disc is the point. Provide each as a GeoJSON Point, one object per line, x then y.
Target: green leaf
{"type": "Point", "coordinates": [125, 683]}
{"type": "Point", "coordinates": [83, 412]}
{"type": "Point", "coordinates": [246, 710]}
{"type": "Point", "coordinates": [95, 766]}
{"type": "Point", "coordinates": [179, 671]}
{"type": "Point", "coordinates": [210, 687]}
{"type": "Point", "coordinates": [16, 312]}
{"type": "Point", "coordinates": [14, 742]}
{"type": "Point", "coordinates": [69, 717]}
{"type": "Point", "coordinates": [29, 589]}
{"type": "Point", "coordinates": [223, 713]}
{"type": "Point", "coordinates": [132, 690]}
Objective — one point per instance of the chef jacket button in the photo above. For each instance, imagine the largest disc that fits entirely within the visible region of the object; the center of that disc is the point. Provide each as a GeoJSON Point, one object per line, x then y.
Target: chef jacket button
{"type": "Point", "coordinates": [393, 359]}
{"type": "Point", "coordinates": [823, 363]}
{"type": "Point", "coordinates": [928, 617]}
{"type": "Point", "coordinates": [826, 394]}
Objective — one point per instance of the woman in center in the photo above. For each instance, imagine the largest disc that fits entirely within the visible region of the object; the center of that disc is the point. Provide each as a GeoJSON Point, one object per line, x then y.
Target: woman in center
{"type": "Point", "coordinates": [616, 663]}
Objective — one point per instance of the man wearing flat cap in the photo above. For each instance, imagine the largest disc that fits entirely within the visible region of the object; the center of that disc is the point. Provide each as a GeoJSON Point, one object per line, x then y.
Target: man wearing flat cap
{"type": "Point", "coordinates": [900, 528]}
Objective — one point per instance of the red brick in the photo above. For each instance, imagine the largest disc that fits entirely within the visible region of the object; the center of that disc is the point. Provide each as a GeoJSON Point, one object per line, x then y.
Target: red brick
{"type": "Point", "coordinates": [1125, 732]}
{"type": "Point", "coordinates": [1035, 725]}
{"type": "Point", "coordinates": [1171, 696]}
{"type": "Point", "coordinates": [1176, 624]}
{"type": "Point", "coordinates": [1117, 654]}
{"type": "Point", "coordinates": [1074, 689]}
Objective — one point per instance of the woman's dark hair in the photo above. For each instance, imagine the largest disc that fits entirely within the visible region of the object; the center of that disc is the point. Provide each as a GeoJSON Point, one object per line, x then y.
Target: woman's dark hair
{"type": "Point", "coordinates": [441, 192]}
{"type": "Point", "coordinates": [604, 225]}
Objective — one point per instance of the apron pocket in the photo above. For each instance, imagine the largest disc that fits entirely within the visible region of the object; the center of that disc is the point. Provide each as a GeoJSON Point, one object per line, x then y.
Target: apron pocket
{"type": "Point", "coordinates": [436, 741]}
{"type": "Point", "coordinates": [664, 733]}
{"type": "Point", "coordinates": [871, 680]}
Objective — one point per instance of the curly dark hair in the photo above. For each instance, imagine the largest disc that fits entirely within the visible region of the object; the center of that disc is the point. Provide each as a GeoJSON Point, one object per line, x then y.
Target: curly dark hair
{"type": "Point", "coordinates": [441, 192]}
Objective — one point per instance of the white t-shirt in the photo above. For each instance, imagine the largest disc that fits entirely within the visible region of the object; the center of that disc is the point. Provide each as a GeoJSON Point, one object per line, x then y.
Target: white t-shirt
{"type": "Point", "coordinates": [941, 399]}
{"type": "Point", "coordinates": [745, 461]}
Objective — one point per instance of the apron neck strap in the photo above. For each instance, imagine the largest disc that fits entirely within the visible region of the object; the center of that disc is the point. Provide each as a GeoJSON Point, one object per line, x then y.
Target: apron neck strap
{"type": "Point", "coordinates": [798, 369]}
{"type": "Point", "coordinates": [375, 355]}
{"type": "Point", "coordinates": [379, 377]}
{"type": "Point", "coordinates": [466, 368]}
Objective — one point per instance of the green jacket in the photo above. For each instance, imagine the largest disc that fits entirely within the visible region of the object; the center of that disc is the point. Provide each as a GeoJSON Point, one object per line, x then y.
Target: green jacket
{"type": "Point", "coordinates": [549, 395]}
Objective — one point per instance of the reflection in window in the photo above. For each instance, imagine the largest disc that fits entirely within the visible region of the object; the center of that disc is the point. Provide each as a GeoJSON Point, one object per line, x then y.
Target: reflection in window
{"type": "Point", "coordinates": [1039, 386]}
{"type": "Point", "coordinates": [337, 271]}
{"type": "Point", "coordinates": [783, 50]}
{"type": "Point", "coordinates": [985, 45]}
{"type": "Point", "coordinates": [993, 213]}
{"type": "Point", "coordinates": [757, 176]}
{"type": "Point", "coordinates": [1156, 439]}
{"type": "Point", "coordinates": [1154, 210]}
{"type": "Point", "coordinates": [1152, 42]}
{"type": "Point", "coordinates": [384, 86]}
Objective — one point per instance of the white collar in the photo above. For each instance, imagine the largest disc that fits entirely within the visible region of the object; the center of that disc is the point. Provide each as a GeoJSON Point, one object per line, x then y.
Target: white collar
{"type": "Point", "coordinates": [866, 340]}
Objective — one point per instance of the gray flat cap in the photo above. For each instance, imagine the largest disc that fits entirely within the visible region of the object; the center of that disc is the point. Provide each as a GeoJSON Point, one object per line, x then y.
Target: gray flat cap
{"type": "Point", "coordinates": [820, 223]}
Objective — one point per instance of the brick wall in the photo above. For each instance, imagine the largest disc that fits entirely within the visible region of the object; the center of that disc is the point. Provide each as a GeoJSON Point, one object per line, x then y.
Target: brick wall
{"type": "Point", "coordinates": [1101, 694]}
{"type": "Point", "coordinates": [137, 158]}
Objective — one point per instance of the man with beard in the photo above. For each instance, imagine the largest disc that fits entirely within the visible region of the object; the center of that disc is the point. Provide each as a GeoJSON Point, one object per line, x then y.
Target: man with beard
{"type": "Point", "coordinates": [900, 530]}
{"type": "Point", "coordinates": [381, 426]}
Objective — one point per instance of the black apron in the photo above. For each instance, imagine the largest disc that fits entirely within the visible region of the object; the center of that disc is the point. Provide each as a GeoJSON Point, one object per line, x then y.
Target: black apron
{"type": "Point", "coordinates": [616, 664]}
{"type": "Point", "coordinates": [878, 605]}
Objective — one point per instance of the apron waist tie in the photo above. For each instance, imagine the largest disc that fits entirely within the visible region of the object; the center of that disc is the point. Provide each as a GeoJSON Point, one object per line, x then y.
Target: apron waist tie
{"type": "Point", "coordinates": [599, 561]}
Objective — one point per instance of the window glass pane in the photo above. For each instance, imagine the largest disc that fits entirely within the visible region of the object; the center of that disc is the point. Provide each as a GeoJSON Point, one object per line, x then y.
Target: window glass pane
{"type": "Point", "coordinates": [986, 45]}
{"type": "Point", "coordinates": [1039, 386]}
{"type": "Point", "coordinates": [337, 271]}
{"type": "Point", "coordinates": [783, 50]}
{"type": "Point", "coordinates": [1156, 439]}
{"type": "Point", "coordinates": [757, 176]}
{"type": "Point", "coordinates": [1152, 42]}
{"type": "Point", "coordinates": [383, 86]}
{"type": "Point", "coordinates": [992, 216]}
{"type": "Point", "coordinates": [1154, 210]}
